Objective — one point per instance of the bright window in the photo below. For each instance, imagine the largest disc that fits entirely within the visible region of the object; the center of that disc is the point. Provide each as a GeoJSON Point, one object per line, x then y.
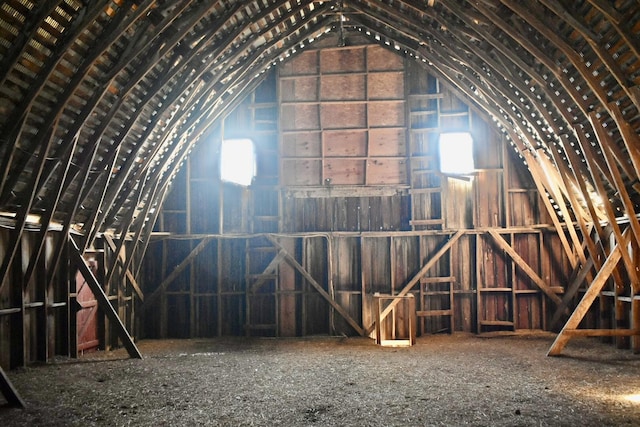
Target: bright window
{"type": "Point", "coordinates": [237, 161]}
{"type": "Point", "coordinates": [456, 153]}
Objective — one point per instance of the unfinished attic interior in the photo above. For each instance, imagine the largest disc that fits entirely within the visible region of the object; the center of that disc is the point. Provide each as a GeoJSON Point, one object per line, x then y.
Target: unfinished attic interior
{"type": "Point", "coordinates": [415, 169]}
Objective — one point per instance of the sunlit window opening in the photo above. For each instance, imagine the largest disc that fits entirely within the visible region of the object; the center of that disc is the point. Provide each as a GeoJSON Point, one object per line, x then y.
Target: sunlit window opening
{"type": "Point", "coordinates": [237, 161]}
{"type": "Point", "coordinates": [456, 153]}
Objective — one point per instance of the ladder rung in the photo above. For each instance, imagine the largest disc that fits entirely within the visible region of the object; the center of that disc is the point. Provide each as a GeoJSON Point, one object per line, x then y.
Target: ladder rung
{"type": "Point", "coordinates": [430, 313]}
{"type": "Point", "coordinates": [426, 221]}
{"type": "Point", "coordinates": [438, 279]}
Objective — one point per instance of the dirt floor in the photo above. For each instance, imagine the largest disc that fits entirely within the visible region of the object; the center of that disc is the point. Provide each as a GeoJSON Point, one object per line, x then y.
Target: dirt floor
{"type": "Point", "coordinates": [443, 380]}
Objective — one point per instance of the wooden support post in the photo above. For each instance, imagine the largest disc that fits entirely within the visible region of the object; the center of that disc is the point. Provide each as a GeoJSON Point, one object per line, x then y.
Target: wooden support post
{"type": "Point", "coordinates": [9, 392]}
{"type": "Point", "coordinates": [588, 298]}
{"type": "Point", "coordinates": [103, 301]}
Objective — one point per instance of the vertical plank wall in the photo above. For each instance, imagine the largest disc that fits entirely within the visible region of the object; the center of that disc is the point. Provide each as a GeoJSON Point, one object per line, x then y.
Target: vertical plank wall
{"type": "Point", "coordinates": [348, 192]}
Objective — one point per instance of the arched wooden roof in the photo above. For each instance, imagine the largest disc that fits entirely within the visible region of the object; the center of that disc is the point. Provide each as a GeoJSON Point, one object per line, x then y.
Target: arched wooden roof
{"type": "Point", "coordinates": [101, 101]}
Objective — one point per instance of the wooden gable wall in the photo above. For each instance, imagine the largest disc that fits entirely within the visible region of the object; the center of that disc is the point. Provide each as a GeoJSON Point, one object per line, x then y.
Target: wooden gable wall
{"type": "Point", "coordinates": [348, 186]}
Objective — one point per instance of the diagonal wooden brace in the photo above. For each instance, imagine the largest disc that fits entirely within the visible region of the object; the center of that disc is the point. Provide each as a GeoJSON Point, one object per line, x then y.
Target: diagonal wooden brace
{"type": "Point", "coordinates": [103, 301]}
{"type": "Point", "coordinates": [130, 276]}
{"type": "Point", "coordinates": [9, 392]}
{"type": "Point", "coordinates": [586, 301]}
{"type": "Point", "coordinates": [525, 267]}
{"type": "Point", "coordinates": [432, 261]}
{"type": "Point", "coordinates": [176, 272]}
{"type": "Point", "coordinates": [292, 261]}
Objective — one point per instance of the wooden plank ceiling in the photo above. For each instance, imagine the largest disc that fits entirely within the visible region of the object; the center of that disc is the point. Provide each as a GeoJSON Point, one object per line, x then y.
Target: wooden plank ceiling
{"type": "Point", "coordinates": [101, 101]}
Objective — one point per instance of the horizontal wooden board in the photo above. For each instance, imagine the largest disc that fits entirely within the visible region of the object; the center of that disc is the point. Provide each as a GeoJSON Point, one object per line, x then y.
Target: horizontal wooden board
{"type": "Point", "coordinates": [348, 143]}
{"type": "Point", "coordinates": [343, 116]}
{"type": "Point", "coordinates": [344, 171]}
{"type": "Point", "coordinates": [343, 87]}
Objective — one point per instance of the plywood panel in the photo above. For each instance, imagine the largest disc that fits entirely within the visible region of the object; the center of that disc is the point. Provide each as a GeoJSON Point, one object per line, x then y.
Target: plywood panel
{"type": "Point", "coordinates": [385, 85]}
{"type": "Point", "coordinates": [302, 144]}
{"type": "Point", "coordinates": [387, 142]}
{"type": "Point", "coordinates": [300, 117]}
{"type": "Point", "coordinates": [343, 87]}
{"type": "Point", "coordinates": [344, 116]}
{"type": "Point", "coordinates": [379, 58]}
{"type": "Point", "coordinates": [344, 171]}
{"type": "Point", "coordinates": [301, 172]}
{"type": "Point", "coordinates": [349, 143]}
{"type": "Point", "coordinates": [384, 171]}
{"type": "Point", "coordinates": [386, 114]}
{"type": "Point", "coordinates": [342, 60]}
{"type": "Point", "coordinates": [305, 63]}
{"type": "Point", "coordinates": [299, 89]}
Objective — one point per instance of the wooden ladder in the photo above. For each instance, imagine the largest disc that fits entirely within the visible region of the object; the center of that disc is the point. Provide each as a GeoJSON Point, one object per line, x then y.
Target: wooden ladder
{"type": "Point", "coordinates": [437, 300]}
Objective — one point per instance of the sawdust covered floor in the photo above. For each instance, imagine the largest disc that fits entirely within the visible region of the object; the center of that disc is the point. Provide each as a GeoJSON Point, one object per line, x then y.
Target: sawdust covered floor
{"type": "Point", "coordinates": [443, 380]}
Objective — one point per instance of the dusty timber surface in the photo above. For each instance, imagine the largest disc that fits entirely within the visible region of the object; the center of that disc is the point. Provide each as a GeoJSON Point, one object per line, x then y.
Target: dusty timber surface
{"type": "Point", "coordinates": [443, 380]}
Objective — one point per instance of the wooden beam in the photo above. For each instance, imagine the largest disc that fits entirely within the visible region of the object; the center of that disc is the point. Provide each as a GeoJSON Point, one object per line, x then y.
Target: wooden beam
{"type": "Point", "coordinates": [295, 264]}
{"type": "Point", "coordinates": [176, 271]}
{"type": "Point", "coordinates": [629, 136]}
{"type": "Point", "coordinates": [103, 301]}
{"type": "Point", "coordinates": [587, 300]}
{"type": "Point", "coordinates": [554, 181]}
{"type": "Point", "coordinates": [9, 391]}
{"type": "Point", "coordinates": [525, 267]}
{"type": "Point", "coordinates": [432, 261]}
{"type": "Point", "coordinates": [585, 146]}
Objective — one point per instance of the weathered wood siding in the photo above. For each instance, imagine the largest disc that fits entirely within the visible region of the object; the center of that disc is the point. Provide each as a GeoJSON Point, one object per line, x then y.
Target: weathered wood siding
{"type": "Point", "coordinates": [348, 175]}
